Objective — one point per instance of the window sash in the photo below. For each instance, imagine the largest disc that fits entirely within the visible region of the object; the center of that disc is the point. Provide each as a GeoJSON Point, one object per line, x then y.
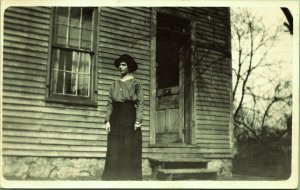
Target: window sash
{"type": "Point", "coordinates": [74, 33]}
{"type": "Point", "coordinates": [71, 73]}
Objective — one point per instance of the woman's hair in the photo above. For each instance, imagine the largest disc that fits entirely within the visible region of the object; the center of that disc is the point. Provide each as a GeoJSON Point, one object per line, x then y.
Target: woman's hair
{"type": "Point", "coordinates": [131, 64]}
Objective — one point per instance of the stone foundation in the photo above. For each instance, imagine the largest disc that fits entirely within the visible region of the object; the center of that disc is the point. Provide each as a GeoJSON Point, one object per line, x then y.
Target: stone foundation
{"type": "Point", "coordinates": [44, 168]}
{"type": "Point", "coordinates": [223, 166]}
{"type": "Point", "coordinates": [47, 168]}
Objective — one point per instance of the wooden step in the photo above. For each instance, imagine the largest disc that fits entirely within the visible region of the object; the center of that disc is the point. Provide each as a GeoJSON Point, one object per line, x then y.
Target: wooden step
{"type": "Point", "coordinates": [178, 163]}
{"type": "Point", "coordinates": [186, 174]}
{"type": "Point", "coordinates": [168, 159]}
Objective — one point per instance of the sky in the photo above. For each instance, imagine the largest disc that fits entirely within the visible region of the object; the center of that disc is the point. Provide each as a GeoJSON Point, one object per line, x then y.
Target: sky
{"type": "Point", "coordinates": [280, 55]}
{"type": "Point", "coordinates": [283, 49]}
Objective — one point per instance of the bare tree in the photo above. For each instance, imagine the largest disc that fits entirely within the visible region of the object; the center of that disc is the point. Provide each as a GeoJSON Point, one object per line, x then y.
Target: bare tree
{"type": "Point", "coordinates": [252, 42]}
{"type": "Point", "coordinates": [274, 109]}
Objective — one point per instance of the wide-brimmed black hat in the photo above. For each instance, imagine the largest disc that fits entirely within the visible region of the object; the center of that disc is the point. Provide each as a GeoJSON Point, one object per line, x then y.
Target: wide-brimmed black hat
{"type": "Point", "coordinates": [131, 64]}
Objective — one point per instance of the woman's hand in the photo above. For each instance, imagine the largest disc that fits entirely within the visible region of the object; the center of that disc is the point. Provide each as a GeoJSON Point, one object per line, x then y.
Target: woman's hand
{"type": "Point", "coordinates": [107, 127]}
{"type": "Point", "coordinates": [137, 125]}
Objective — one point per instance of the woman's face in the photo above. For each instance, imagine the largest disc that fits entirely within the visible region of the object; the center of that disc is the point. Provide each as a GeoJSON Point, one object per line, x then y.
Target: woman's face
{"type": "Point", "coordinates": [123, 68]}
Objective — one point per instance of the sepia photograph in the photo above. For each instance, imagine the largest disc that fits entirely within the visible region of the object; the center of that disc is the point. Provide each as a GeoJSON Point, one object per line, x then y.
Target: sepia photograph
{"type": "Point", "coordinates": [129, 94]}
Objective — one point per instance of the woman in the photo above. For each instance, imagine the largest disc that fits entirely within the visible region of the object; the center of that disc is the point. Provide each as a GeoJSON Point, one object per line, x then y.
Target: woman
{"type": "Point", "coordinates": [123, 124]}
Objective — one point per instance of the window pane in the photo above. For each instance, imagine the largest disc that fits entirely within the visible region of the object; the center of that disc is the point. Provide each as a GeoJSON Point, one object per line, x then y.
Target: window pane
{"type": "Point", "coordinates": [55, 66]}
{"type": "Point", "coordinates": [87, 18]}
{"type": "Point", "coordinates": [83, 84]}
{"type": "Point", "coordinates": [86, 39]}
{"type": "Point", "coordinates": [81, 65]}
{"type": "Point", "coordinates": [74, 83]}
{"type": "Point", "coordinates": [75, 17]}
{"type": "Point", "coordinates": [61, 74]}
{"type": "Point", "coordinates": [61, 35]}
{"type": "Point", "coordinates": [74, 37]}
{"type": "Point", "coordinates": [87, 82]}
{"type": "Point", "coordinates": [75, 61]}
{"type": "Point", "coordinates": [84, 74]}
{"type": "Point", "coordinates": [71, 76]}
{"type": "Point", "coordinates": [65, 60]}
{"type": "Point", "coordinates": [59, 83]}
{"type": "Point", "coordinates": [54, 81]}
{"type": "Point", "coordinates": [62, 15]}
{"type": "Point", "coordinates": [69, 60]}
{"type": "Point", "coordinates": [68, 67]}
{"type": "Point", "coordinates": [84, 65]}
{"type": "Point", "coordinates": [61, 25]}
{"type": "Point", "coordinates": [70, 83]}
{"type": "Point", "coordinates": [55, 58]}
{"type": "Point", "coordinates": [87, 66]}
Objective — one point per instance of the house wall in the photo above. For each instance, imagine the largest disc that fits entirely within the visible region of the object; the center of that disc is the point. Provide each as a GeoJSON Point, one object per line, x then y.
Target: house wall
{"type": "Point", "coordinates": [33, 127]}
{"type": "Point", "coordinates": [213, 79]}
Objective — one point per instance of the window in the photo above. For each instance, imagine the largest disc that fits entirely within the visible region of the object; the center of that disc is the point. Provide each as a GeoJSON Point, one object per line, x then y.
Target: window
{"type": "Point", "coordinates": [73, 59]}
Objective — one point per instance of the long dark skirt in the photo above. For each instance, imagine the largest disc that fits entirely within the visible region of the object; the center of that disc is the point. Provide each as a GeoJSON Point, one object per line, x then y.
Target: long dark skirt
{"type": "Point", "coordinates": [124, 148]}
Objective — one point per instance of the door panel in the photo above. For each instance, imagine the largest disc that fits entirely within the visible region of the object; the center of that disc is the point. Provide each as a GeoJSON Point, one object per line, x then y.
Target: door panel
{"type": "Point", "coordinates": [161, 121]}
{"type": "Point", "coordinates": [168, 116]}
{"type": "Point", "coordinates": [174, 118]}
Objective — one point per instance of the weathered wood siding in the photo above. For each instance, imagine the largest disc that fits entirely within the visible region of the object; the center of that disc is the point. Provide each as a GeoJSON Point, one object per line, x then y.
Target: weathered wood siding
{"type": "Point", "coordinates": [34, 127]}
{"type": "Point", "coordinates": [212, 87]}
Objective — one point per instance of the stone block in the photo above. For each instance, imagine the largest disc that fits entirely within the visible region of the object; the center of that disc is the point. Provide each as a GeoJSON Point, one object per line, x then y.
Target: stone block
{"type": "Point", "coordinates": [147, 170]}
{"type": "Point", "coordinates": [44, 168]}
{"type": "Point", "coordinates": [224, 166]}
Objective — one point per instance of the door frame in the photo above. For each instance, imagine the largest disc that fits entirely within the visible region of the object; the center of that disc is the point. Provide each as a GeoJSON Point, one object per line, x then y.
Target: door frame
{"type": "Point", "coordinates": [153, 82]}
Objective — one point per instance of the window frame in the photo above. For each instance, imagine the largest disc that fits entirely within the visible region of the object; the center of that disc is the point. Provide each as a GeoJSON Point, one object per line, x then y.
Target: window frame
{"type": "Point", "coordinates": [91, 100]}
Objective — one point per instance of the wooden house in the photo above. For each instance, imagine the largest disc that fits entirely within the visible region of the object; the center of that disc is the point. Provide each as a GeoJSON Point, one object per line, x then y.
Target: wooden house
{"type": "Point", "coordinates": [57, 69]}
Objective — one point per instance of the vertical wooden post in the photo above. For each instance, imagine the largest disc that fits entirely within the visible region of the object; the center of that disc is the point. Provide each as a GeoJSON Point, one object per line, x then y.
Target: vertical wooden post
{"type": "Point", "coordinates": [48, 76]}
{"type": "Point", "coordinates": [94, 73]}
{"type": "Point", "coordinates": [153, 77]}
{"type": "Point", "coordinates": [231, 123]}
{"type": "Point", "coordinates": [193, 128]}
{"type": "Point", "coordinates": [182, 97]}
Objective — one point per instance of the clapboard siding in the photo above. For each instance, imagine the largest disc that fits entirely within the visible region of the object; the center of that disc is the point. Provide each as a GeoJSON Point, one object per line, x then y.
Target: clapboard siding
{"type": "Point", "coordinates": [38, 140]}
{"type": "Point", "coordinates": [34, 127]}
{"type": "Point", "coordinates": [53, 153]}
{"type": "Point", "coordinates": [53, 129]}
{"type": "Point", "coordinates": [213, 80]}
{"type": "Point", "coordinates": [19, 59]}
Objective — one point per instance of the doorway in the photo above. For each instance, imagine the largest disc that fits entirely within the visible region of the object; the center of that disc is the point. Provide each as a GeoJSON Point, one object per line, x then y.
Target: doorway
{"type": "Point", "coordinates": [172, 79]}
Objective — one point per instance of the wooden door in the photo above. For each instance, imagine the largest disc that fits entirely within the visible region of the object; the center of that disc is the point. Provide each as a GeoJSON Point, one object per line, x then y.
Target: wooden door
{"type": "Point", "coordinates": [172, 38]}
{"type": "Point", "coordinates": [174, 113]}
